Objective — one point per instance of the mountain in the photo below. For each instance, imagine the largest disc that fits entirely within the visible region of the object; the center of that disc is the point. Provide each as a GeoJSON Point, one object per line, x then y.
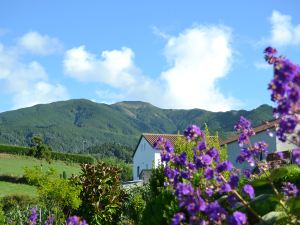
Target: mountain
{"type": "Point", "coordinates": [75, 125]}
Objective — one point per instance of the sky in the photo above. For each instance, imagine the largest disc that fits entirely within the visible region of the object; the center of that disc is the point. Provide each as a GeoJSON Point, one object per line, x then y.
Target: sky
{"type": "Point", "coordinates": [173, 54]}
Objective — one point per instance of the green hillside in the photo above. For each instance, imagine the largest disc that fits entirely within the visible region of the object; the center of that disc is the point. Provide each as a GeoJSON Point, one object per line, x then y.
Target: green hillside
{"type": "Point", "coordinates": [75, 125]}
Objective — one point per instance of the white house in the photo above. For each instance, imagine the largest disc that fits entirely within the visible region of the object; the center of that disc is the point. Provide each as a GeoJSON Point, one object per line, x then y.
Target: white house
{"type": "Point", "coordinates": [262, 133]}
{"type": "Point", "coordinates": [145, 155]}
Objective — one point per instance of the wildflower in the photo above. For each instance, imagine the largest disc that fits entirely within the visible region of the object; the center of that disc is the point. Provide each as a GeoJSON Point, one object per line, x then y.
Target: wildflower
{"type": "Point", "coordinates": [289, 190]}
{"type": "Point", "coordinates": [225, 188]}
{"type": "Point", "coordinates": [214, 153]}
{"type": "Point", "coordinates": [33, 216]}
{"type": "Point", "coordinates": [296, 155]}
{"type": "Point", "coordinates": [208, 173]}
{"type": "Point", "coordinates": [201, 145]}
{"type": "Point", "coordinates": [225, 166]}
{"type": "Point", "coordinates": [237, 218]}
{"type": "Point", "coordinates": [248, 189]}
{"type": "Point", "coordinates": [193, 132]}
{"type": "Point", "coordinates": [178, 218]}
{"type": "Point", "coordinates": [76, 220]}
{"type": "Point", "coordinates": [233, 181]}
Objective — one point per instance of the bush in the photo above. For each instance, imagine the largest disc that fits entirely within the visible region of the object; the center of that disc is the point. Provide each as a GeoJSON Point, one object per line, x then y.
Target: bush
{"type": "Point", "coordinates": [59, 195]}
{"type": "Point", "coordinates": [102, 194]}
{"type": "Point", "coordinates": [14, 150]}
{"type": "Point", "coordinates": [75, 158]}
{"type": "Point", "coordinates": [12, 201]}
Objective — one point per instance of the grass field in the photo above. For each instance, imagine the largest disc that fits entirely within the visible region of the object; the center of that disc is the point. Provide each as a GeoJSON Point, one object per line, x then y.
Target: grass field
{"type": "Point", "coordinates": [14, 165]}
{"type": "Point", "coordinates": [7, 188]}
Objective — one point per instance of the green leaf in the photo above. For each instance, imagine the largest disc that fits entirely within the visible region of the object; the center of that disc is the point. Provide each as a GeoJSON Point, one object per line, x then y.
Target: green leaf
{"type": "Point", "coordinates": [272, 217]}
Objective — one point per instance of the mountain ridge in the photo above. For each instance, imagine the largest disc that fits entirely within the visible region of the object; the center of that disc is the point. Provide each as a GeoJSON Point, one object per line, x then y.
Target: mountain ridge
{"type": "Point", "coordinates": [76, 124]}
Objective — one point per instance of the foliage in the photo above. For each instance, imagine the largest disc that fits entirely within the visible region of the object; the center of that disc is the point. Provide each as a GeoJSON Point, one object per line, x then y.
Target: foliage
{"type": "Point", "coordinates": [10, 202]}
{"type": "Point", "coordinates": [160, 209]}
{"type": "Point", "coordinates": [39, 149]}
{"type": "Point", "coordinates": [69, 157]}
{"type": "Point", "coordinates": [100, 205]}
{"type": "Point", "coordinates": [126, 168]}
{"type": "Point", "coordinates": [13, 149]}
{"type": "Point", "coordinates": [75, 158]}
{"type": "Point", "coordinates": [133, 208]}
{"type": "Point", "coordinates": [59, 195]}
{"type": "Point", "coordinates": [110, 150]}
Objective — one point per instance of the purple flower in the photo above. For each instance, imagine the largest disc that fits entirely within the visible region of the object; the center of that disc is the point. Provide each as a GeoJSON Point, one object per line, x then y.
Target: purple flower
{"type": "Point", "coordinates": [232, 200]}
{"type": "Point", "coordinates": [171, 174]}
{"type": "Point", "coordinates": [237, 218]}
{"type": "Point", "coordinates": [192, 132]}
{"type": "Point", "coordinates": [289, 190]}
{"type": "Point", "coordinates": [184, 190]}
{"type": "Point", "coordinates": [233, 181]}
{"type": "Point", "coordinates": [247, 173]}
{"type": "Point", "coordinates": [50, 220]}
{"type": "Point", "coordinates": [201, 145]}
{"type": "Point", "coordinates": [214, 153]}
{"type": "Point", "coordinates": [215, 212]}
{"type": "Point", "coordinates": [244, 126]}
{"type": "Point", "coordinates": [203, 161]}
{"type": "Point", "coordinates": [75, 220]}
{"type": "Point", "coordinates": [33, 216]}
{"type": "Point", "coordinates": [209, 191]}
{"type": "Point", "coordinates": [225, 166]}
{"type": "Point", "coordinates": [225, 188]}
{"type": "Point", "coordinates": [178, 218]}
{"type": "Point", "coordinates": [248, 189]}
{"type": "Point", "coordinates": [182, 159]}
{"type": "Point", "coordinates": [296, 155]}
{"type": "Point", "coordinates": [208, 173]}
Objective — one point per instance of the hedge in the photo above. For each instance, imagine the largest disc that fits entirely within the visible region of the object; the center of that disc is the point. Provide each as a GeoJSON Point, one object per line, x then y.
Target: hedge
{"type": "Point", "coordinates": [77, 158]}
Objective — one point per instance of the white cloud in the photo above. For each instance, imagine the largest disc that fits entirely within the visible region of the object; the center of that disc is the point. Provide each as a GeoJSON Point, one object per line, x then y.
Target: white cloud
{"type": "Point", "coordinates": [37, 43]}
{"type": "Point", "coordinates": [40, 92]}
{"type": "Point", "coordinates": [114, 67]}
{"type": "Point", "coordinates": [283, 31]}
{"type": "Point", "coordinates": [26, 82]}
{"type": "Point", "coordinates": [197, 57]}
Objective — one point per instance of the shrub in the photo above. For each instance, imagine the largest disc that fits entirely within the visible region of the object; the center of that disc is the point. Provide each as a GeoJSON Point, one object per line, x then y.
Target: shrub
{"type": "Point", "coordinates": [76, 158]}
{"type": "Point", "coordinates": [59, 195]}
{"type": "Point", "coordinates": [102, 194]}
{"type": "Point", "coordinates": [15, 150]}
{"type": "Point", "coordinates": [12, 201]}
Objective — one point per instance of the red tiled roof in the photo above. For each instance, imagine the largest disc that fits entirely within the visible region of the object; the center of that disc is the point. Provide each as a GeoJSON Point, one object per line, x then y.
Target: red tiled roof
{"type": "Point", "coordinates": [152, 138]}
{"type": "Point", "coordinates": [263, 127]}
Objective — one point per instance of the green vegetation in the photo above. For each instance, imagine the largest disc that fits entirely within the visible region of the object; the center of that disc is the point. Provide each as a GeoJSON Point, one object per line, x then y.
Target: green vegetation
{"type": "Point", "coordinates": [75, 125]}
{"type": "Point", "coordinates": [101, 194]}
{"type": "Point", "coordinates": [19, 150]}
{"type": "Point", "coordinates": [14, 165]}
{"type": "Point", "coordinates": [8, 188]}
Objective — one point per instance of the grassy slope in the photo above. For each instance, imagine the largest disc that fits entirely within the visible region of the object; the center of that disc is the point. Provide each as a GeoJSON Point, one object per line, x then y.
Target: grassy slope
{"type": "Point", "coordinates": [7, 188]}
{"type": "Point", "coordinates": [14, 165]}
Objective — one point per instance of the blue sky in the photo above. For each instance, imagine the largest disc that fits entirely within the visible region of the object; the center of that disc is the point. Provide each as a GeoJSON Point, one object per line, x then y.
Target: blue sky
{"type": "Point", "coordinates": [173, 54]}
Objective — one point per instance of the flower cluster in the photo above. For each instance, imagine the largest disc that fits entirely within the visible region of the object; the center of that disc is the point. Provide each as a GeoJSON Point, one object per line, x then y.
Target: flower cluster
{"type": "Point", "coordinates": [198, 181]}
{"type": "Point", "coordinates": [285, 88]}
{"type": "Point", "coordinates": [73, 220]}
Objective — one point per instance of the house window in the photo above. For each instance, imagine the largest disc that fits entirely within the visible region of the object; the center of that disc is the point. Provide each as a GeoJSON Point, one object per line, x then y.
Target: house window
{"type": "Point", "coordinates": [138, 171]}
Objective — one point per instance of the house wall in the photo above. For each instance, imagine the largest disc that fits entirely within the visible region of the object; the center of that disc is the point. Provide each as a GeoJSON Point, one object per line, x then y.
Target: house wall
{"type": "Point", "coordinates": [143, 158]}
{"type": "Point", "coordinates": [234, 149]}
{"type": "Point", "coordinates": [284, 146]}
